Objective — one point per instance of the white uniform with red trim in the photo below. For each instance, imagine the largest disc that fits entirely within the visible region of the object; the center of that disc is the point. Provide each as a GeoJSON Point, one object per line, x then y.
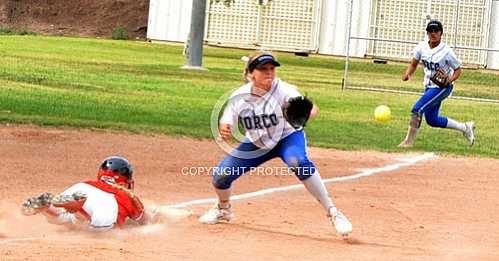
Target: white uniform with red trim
{"type": "Point", "coordinates": [104, 207]}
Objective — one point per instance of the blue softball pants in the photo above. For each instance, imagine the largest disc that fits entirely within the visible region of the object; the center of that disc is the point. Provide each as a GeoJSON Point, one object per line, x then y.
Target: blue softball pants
{"type": "Point", "coordinates": [292, 150]}
{"type": "Point", "coordinates": [429, 106]}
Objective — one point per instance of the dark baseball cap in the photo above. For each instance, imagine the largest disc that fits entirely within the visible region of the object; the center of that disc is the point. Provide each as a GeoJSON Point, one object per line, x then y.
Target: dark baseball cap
{"type": "Point", "coordinates": [259, 61]}
{"type": "Point", "coordinates": [434, 25]}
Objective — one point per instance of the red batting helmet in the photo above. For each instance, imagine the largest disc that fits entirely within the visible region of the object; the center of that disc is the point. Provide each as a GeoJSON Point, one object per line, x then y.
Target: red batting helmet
{"type": "Point", "coordinates": [117, 170]}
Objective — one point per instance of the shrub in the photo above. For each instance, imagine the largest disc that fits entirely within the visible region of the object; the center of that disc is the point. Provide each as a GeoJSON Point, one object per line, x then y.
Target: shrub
{"type": "Point", "coordinates": [25, 31]}
{"type": "Point", "coordinates": [120, 33]}
{"type": "Point", "coordinates": [6, 31]}
{"type": "Point", "coordinates": [13, 31]}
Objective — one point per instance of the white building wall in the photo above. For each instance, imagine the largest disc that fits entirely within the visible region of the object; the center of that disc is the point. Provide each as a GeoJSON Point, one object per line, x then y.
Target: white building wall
{"type": "Point", "coordinates": [334, 29]}
{"type": "Point", "coordinates": [169, 20]}
{"type": "Point", "coordinates": [328, 27]}
{"type": "Point", "coordinates": [360, 26]}
{"type": "Point", "coordinates": [493, 57]}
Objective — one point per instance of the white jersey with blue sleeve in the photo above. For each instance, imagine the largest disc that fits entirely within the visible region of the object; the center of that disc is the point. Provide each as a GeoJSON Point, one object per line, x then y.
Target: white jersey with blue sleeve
{"type": "Point", "coordinates": [440, 57]}
{"type": "Point", "coordinates": [260, 116]}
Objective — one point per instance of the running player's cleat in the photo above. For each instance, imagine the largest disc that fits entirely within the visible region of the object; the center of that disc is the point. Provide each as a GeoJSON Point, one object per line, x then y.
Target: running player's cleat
{"type": "Point", "coordinates": [216, 215]}
{"type": "Point", "coordinates": [66, 199]}
{"type": "Point", "coordinates": [72, 203]}
{"type": "Point", "coordinates": [36, 204]}
{"type": "Point", "coordinates": [470, 132]}
{"type": "Point", "coordinates": [340, 222]}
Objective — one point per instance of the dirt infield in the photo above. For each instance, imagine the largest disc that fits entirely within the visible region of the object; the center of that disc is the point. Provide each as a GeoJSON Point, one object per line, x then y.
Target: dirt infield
{"type": "Point", "coordinates": [441, 208]}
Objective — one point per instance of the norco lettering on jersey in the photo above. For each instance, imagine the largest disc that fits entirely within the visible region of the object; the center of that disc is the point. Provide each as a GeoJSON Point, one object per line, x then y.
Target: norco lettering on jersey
{"type": "Point", "coordinates": [431, 66]}
{"type": "Point", "coordinates": [260, 116]}
{"type": "Point", "coordinates": [259, 121]}
{"type": "Point", "coordinates": [433, 59]}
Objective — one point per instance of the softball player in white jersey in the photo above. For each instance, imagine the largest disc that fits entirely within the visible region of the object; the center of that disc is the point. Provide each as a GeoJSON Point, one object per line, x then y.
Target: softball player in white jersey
{"type": "Point", "coordinates": [435, 55]}
{"type": "Point", "coordinates": [257, 106]}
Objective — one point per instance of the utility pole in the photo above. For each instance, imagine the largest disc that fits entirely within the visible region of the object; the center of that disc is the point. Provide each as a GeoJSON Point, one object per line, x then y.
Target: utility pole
{"type": "Point", "coordinates": [196, 35]}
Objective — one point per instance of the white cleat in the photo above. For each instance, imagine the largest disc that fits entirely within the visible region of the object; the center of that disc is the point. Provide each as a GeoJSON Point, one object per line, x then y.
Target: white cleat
{"type": "Point", "coordinates": [469, 134]}
{"type": "Point", "coordinates": [216, 215]}
{"type": "Point", "coordinates": [340, 222]}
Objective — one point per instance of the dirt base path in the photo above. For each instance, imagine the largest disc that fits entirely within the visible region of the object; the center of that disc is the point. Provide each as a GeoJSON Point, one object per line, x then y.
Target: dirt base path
{"type": "Point", "coordinates": [435, 209]}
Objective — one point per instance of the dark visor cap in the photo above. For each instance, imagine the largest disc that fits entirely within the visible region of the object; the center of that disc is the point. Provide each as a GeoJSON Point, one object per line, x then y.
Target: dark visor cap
{"type": "Point", "coordinates": [434, 26]}
{"type": "Point", "coordinates": [261, 60]}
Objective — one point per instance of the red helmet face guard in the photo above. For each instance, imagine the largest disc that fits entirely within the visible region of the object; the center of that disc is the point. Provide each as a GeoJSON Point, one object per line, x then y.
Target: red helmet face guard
{"type": "Point", "coordinates": [109, 176]}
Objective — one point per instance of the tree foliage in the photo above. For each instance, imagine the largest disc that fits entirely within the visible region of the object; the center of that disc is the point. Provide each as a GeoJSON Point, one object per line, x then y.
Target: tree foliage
{"type": "Point", "coordinates": [226, 2]}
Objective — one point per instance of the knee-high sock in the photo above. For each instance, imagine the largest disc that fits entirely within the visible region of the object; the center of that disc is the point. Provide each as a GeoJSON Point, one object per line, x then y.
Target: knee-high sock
{"type": "Point", "coordinates": [223, 197]}
{"type": "Point", "coordinates": [316, 187]}
{"type": "Point", "coordinates": [453, 124]}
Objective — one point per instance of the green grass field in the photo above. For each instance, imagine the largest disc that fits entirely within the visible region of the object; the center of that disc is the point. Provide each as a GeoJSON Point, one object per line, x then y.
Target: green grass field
{"type": "Point", "coordinates": [473, 83]}
{"type": "Point", "coordinates": [140, 87]}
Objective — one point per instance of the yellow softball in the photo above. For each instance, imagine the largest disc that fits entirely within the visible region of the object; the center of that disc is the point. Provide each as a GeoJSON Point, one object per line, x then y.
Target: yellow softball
{"type": "Point", "coordinates": [382, 113]}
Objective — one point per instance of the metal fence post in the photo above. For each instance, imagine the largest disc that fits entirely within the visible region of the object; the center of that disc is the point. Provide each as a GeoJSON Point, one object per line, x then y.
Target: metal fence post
{"type": "Point", "coordinates": [347, 57]}
{"type": "Point", "coordinates": [456, 22]}
{"type": "Point", "coordinates": [196, 35]}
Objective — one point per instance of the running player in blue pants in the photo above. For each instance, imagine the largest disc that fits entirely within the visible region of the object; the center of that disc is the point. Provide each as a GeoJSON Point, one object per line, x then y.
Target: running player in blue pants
{"type": "Point", "coordinates": [435, 55]}
{"type": "Point", "coordinates": [257, 106]}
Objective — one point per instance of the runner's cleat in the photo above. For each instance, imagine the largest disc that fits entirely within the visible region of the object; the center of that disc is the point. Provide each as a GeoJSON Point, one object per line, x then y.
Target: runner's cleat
{"type": "Point", "coordinates": [36, 204]}
{"type": "Point", "coordinates": [72, 203]}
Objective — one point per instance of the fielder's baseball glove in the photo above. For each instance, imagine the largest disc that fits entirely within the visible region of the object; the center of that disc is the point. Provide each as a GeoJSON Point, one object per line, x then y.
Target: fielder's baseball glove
{"type": "Point", "coordinates": [440, 78]}
{"type": "Point", "coordinates": [297, 111]}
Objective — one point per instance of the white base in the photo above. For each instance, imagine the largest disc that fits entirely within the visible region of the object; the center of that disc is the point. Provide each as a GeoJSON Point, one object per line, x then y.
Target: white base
{"type": "Point", "coordinates": [188, 67]}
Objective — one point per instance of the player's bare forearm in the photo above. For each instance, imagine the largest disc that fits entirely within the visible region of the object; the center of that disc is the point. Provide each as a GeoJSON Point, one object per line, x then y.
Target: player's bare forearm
{"type": "Point", "coordinates": [410, 70]}
{"type": "Point", "coordinates": [144, 217]}
{"type": "Point", "coordinates": [137, 203]}
{"type": "Point", "coordinates": [455, 75]}
{"type": "Point", "coordinates": [314, 111]}
{"type": "Point", "coordinates": [225, 131]}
